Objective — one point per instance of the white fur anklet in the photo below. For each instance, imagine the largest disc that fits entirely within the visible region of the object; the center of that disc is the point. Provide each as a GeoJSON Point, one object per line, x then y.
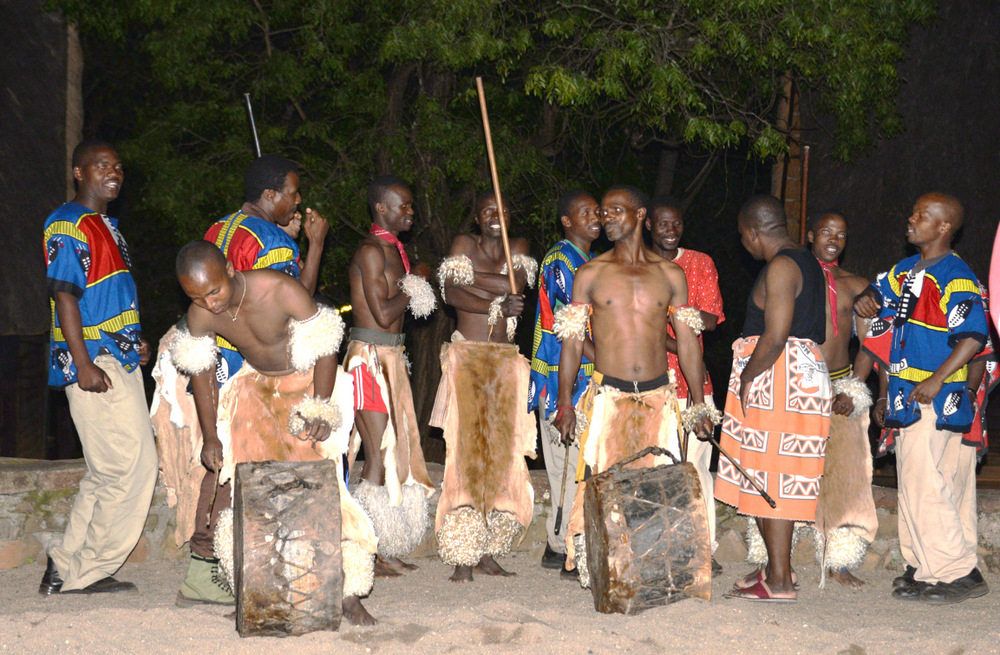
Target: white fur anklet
{"type": "Point", "coordinates": [693, 414]}
{"type": "Point", "coordinates": [456, 269]}
{"type": "Point", "coordinates": [582, 568]}
{"type": "Point", "coordinates": [359, 569]}
{"type": "Point", "coordinates": [399, 528]}
{"type": "Point", "coordinates": [691, 317]}
{"type": "Point", "coordinates": [505, 531]}
{"type": "Point", "coordinates": [222, 544]}
{"type": "Point", "coordinates": [857, 391]}
{"type": "Point", "coordinates": [571, 321]}
{"type": "Point", "coordinates": [462, 538]}
{"type": "Point", "coordinates": [311, 408]}
{"type": "Point", "coordinates": [422, 300]}
{"type": "Point", "coordinates": [317, 336]}
{"type": "Point", "coordinates": [842, 549]}
{"type": "Point", "coordinates": [193, 355]}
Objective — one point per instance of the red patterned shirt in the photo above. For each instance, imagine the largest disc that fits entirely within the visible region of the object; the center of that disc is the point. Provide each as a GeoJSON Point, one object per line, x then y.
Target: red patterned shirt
{"type": "Point", "coordinates": [703, 295]}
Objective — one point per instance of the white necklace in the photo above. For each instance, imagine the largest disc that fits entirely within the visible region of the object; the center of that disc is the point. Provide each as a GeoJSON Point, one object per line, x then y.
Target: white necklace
{"type": "Point", "coordinates": [238, 307]}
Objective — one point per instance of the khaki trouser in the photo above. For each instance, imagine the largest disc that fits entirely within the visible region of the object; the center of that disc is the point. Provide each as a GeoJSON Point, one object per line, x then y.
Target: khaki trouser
{"type": "Point", "coordinates": [110, 509]}
{"type": "Point", "coordinates": [699, 453]}
{"type": "Point", "coordinates": [555, 454]}
{"type": "Point", "coordinates": [937, 500]}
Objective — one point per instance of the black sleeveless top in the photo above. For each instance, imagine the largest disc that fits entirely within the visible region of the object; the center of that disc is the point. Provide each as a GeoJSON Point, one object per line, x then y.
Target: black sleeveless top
{"type": "Point", "coordinates": [809, 318]}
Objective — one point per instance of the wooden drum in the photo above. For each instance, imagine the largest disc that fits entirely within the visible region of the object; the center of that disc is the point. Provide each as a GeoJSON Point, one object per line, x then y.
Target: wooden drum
{"type": "Point", "coordinates": [647, 537]}
{"type": "Point", "coordinates": [286, 543]}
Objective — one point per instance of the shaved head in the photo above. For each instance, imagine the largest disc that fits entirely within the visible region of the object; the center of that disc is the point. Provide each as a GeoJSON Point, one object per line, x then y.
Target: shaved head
{"type": "Point", "coordinates": [199, 257]}
{"type": "Point", "coordinates": [765, 214]}
{"type": "Point", "coordinates": [952, 209]}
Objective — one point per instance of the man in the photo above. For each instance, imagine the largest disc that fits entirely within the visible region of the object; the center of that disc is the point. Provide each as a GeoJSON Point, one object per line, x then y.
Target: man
{"type": "Point", "coordinates": [394, 483]}
{"type": "Point", "coordinates": [96, 349]}
{"type": "Point", "coordinates": [665, 222]}
{"type": "Point", "coordinates": [845, 514]}
{"type": "Point", "coordinates": [257, 236]}
{"type": "Point", "coordinates": [486, 496]}
{"type": "Point", "coordinates": [290, 350]}
{"type": "Point", "coordinates": [778, 405]}
{"type": "Point", "coordinates": [939, 326]}
{"type": "Point", "coordinates": [578, 215]}
{"type": "Point", "coordinates": [630, 295]}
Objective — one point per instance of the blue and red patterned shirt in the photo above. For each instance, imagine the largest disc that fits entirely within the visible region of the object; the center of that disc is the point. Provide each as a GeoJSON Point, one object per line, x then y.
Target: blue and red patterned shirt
{"type": "Point", "coordinates": [87, 257]}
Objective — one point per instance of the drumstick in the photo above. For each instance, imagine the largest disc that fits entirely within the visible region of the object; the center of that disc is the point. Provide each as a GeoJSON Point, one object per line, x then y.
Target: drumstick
{"type": "Point", "coordinates": [562, 494]}
{"type": "Point", "coordinates": [753, 483]}
{"type": "Point", "coordinates": [215, 492]}
{"type": "Point", "coordinates": [496, 182]}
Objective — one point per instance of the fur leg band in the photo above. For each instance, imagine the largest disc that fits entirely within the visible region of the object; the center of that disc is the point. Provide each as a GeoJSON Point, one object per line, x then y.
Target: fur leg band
{"type": "Point", "coordinates": [504, 531]}
{"type": "Point", "coordinates": [529, 265]}
{"type": "Point", "coordinates": [222, 544]}
{"type": "Point", "coordinates": [399, 528]}
{"type": "Point", "coordinates": [317, 336]}
{"type": "Point", "coordinates": [857, 391]}
{"type": "Point", "coordinates": [193, 355]}
{"type": "Point", "coordinates": [422, 300]}
{"type": "Point", "coordinates": [580, 544]}
{"type": "Point", "coordinates": [462, 538]}
{"type": "Point", "coordinates": [571, 321]}
{"type": "Point", "coordinates": [359, 569]}
{"type": "Point", "coordinates": [842, 549]}
{"type": "Point", "coordinates": [311, 408]}
{"type": "Point", "coordinates": [691, 317]}
{"type": "Point", "coordinates": [692, 414]}
{"type": "Point", "coordinates": [457, 269]}
{"type": "Point", "coordinates": [757, 551]}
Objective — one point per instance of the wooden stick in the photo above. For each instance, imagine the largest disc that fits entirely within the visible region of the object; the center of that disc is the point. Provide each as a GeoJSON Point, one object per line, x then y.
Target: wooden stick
{"type": "Point", "coordinates": [253, 124]}
{"type": "Point", "coordinates": [562, 494]}
{"type": "Point", "coordinates": [805, 194]}
{"type": "Point", "coordinates": [753, 483]}
{"type": "Point", "coordinates": [496, 183]}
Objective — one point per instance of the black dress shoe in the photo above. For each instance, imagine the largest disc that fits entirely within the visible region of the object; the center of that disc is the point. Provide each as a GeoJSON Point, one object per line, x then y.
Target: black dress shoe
{"type": "Point", "coordinates": [911, 591]}
{"type": "Point", "coordinates": [51, 581]}
{"type": "Point", "coordinates": [573, 575]}
{"type": "Point", "coordinates": [970, 585]}
{"type": "Point", "coordinates": [906, 579]}
{"type": "Point", "coordinates": [716, 568]}
{"type": "Point", "coordinates": [552, 560]}
{"type": "Point", "coordinates": [106, 585]}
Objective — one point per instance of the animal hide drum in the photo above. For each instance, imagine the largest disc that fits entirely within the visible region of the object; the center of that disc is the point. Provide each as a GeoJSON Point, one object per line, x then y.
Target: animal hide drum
{"type": "Point", "coordinates": [286, 540]}
{"type": "Point", "coordinates": [647, 537]}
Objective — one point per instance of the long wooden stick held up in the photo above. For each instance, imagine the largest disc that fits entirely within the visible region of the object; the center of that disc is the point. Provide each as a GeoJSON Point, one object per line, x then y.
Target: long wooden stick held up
{"type": "Point", "coordinates": [496, 183]}
{"type": "Point", "coordinates": [805, 195]}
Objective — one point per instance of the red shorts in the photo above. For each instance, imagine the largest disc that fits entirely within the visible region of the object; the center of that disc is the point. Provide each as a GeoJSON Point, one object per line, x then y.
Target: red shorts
{"type": "Point", "coordinates": [367, 392]}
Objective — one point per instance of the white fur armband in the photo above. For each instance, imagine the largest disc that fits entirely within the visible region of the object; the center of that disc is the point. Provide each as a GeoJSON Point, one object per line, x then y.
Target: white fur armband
{"type": "Point", "coordinates": [311, 408]}
{"type": "Point", "coordinates": [571, 320]}
{"type": "Point", "coordinates": [458, 269]}
{"type": "Point", "coordinates": [857, 391]}
{"type": "Point", "coordinates": [193, 355]}
{"type": "Point", "coordinates": [694, 413]}
{"type": "Point", "coordinates": [495, 314]}
{"type": "Point", "coordinates": [422, 300]}
{"type": "Point", "coordinates": [317, 336]}
{"type": "Point", "coordinates": [691, 317]}
{"type": "Point", "coordinates": [529, 265]}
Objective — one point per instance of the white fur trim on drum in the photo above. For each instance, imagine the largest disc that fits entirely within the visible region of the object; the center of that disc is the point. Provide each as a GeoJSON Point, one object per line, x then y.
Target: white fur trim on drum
{"type": "Point", "coordinates": [359, 569]}
{"type": "Point", "coordinates": [222, 544]}
{"type": "Point", "coordinates": [311, 408]}
{"type": "Point", "coordinates": [691, 317]}
{"type": "Point", "coordinates": [317, 336]}
{"type": "Point", "coordinates": [422, 300]}
{"type": "Point", "coordinates": [193, 355]}
{"type": "Point", "coordinates": [457, 269]}
{"type": "Point", "coordinates": [692, 414]}
{"type": "Point", "coordinates": [858, 392]}
{"type": "Point", "coordinates": [462, 538]}
{"type": "Point", "coordinates": [583, 570]}
{"type": "Point", "coordinates": [399, 528]}
{"type": "Point", "coordinates": [570, 322]}
{"type": "Point", "coordinates": [505, 531]}
{"type": "Point", "coordinates": [525, 262]}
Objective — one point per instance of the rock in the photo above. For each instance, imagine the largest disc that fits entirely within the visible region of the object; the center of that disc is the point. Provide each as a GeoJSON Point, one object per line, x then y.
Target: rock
{"type": "Point", "coordinates": [17, 553]}
{"type": "Point", "coordinates": [872, 561]}
{"type": "Point", "coordinates": [731, 547]}
{"type": "Point", "coordinates": [888, 524]}
{"type": "Point", "coordinates": [140, 553]}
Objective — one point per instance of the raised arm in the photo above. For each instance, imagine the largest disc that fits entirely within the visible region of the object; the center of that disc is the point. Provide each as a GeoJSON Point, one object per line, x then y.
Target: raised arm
{"type": "Point", "coordinates": [315, 227]}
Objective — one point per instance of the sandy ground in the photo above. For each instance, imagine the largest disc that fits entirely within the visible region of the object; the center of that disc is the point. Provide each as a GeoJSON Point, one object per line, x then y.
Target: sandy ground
{"type": "Point", "coordinates": [535, 612]}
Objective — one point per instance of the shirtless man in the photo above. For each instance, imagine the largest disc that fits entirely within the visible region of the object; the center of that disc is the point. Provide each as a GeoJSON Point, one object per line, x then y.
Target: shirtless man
{"type": "Point", "coordinates": [394, 483]}
{"type": "Point", "coordinates": [845, 513]}
{"type": "Point", "coordinates": [290, 349]}
{"type": "Point", "coordinates": [630, 295]}
{"type": "Point", "coordinates": [483, 374]}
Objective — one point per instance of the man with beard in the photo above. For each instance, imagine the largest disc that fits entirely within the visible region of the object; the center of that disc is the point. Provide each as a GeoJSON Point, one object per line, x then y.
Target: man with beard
{"type": "Point", "coordinates": [96, 350]}
{"type": "Point", "coordinates": [577, 211]}
{"type": "Point", "coordinates": [481, 404]}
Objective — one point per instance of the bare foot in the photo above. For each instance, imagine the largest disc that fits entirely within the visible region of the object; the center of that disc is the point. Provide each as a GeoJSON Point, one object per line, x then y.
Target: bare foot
{"type": "Point", "coordinates": [462, 574]}
{"type": "Point", "coordinates": [355, 612]}
{"type": "Point", "coordinates": [488, 566]}
{"type": "Point", "coordinates": [759, 575]}
{"type": "Point", "coordinates": [397, 565]}
{"type": "Point", "coordinates": [383, 570]}
{"type": "Point", "coordinates": [846, 578]}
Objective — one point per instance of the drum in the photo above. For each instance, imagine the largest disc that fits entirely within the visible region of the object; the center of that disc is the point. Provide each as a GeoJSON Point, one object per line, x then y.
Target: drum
{"type": "Point", "coordinates": [286, 548]}
{"type": "Point", "coordinates": [647, 536]}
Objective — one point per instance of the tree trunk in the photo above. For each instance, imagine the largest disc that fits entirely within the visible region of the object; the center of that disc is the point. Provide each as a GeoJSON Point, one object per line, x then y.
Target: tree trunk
{"type": "Point", "coordinates": [665, 171]}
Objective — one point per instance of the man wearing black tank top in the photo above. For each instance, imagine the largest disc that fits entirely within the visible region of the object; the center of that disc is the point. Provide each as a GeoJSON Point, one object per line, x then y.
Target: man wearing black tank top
{"type": "Point", "coordinates": [778, 402]}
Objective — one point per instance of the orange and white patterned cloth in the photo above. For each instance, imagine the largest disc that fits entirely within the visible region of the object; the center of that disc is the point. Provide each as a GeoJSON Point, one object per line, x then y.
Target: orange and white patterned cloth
{"type": "Point", "coordinates": [781, 440]}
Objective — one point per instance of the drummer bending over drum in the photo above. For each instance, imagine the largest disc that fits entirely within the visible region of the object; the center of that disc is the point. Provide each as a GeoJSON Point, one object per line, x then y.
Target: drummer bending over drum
{"type": "Point", "coordinates": [281, 405]}
{"type": "Point", "coordinates": [628, 296]}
